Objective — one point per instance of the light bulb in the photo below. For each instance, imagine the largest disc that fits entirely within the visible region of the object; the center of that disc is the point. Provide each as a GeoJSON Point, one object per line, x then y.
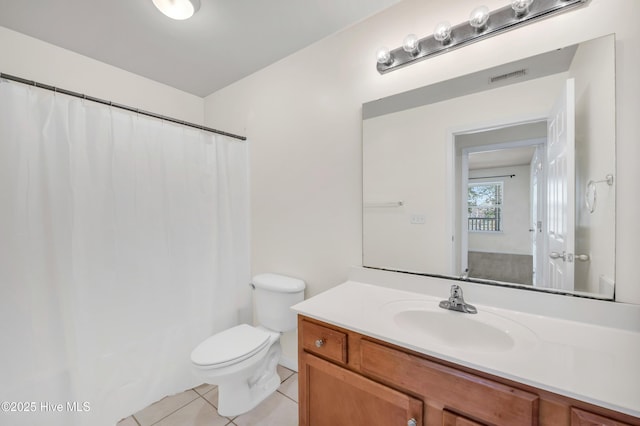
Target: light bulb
{"type": "Point", "coordinates": [479, 17]}
{"type": "Point", "coordinates": [178, 9]}
{"type": "Point", "coordinates": [442, 32]}
{"type": "Point", "coordinates": [411, 44]}
{"type": "Point", "coordinates": [521, 6]}
{"type": "Point", "coordinates": [384, 56]}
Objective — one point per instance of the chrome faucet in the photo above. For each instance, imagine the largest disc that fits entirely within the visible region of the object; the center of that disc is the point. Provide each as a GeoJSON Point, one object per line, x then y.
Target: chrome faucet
{"type": "Point", "coordinates": [456, 302]}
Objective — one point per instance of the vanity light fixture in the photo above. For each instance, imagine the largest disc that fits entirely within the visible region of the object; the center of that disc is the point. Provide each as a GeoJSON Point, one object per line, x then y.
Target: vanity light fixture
{"type": "Point", "coordinates": [482, 23]}
{"type": "Point", "coordinates": [442, 32]}
{"type": "Point", "coordinates": [521, 7]}
{"type": "Point", "coordinates": [411, 44]}
{"type": "Point", "coordinates": [384, 56]}
{"type": "Point", "coordinates": [479, 17]}
{"type": "Point", "coordinates": [178, 9]}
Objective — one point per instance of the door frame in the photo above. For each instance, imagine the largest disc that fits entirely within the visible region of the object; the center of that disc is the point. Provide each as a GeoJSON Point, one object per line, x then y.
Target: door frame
{"type": "Point", "coordinates": [452, 184]}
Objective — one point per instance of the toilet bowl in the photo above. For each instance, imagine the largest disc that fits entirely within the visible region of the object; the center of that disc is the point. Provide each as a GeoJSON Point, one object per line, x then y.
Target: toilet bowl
{"type": "Point", "coordinates": [242, 360]}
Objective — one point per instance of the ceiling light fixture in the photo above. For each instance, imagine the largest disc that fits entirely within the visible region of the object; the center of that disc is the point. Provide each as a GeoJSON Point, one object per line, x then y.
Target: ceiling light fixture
{"type": "Point", "coordinates": [482, 23]}
{"type": "Point", "coordinates": [178, 9]}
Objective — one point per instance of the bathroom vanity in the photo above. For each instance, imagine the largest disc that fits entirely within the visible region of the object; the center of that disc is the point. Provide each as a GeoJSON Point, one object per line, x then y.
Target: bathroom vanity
{"type": "Point", "coordinates": [370, 355]}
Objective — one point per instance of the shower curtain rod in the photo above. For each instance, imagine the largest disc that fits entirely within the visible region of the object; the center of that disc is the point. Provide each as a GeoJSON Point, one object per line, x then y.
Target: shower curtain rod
{"type": "Point", "coordinates": [113, 104]}
{"type": "Point", "coordinates": [489, 177]}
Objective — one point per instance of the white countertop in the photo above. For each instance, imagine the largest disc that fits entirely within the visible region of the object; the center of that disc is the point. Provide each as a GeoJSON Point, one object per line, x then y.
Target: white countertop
{"type": "Point", "coordinates": [592, 363]}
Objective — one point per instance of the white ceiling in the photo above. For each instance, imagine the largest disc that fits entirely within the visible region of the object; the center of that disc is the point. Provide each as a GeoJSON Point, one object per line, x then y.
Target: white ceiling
{"type": "Point", "coordinates": [224, 42]}
{"type": "Point", "coordinates": [501, 158]}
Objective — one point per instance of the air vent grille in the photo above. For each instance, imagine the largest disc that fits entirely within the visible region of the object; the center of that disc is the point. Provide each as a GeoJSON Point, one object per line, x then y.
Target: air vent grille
{"type": "Point", "coordinates": [512, 74]}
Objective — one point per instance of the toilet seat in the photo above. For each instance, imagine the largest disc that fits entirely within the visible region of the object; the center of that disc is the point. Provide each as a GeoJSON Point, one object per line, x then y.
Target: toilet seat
{"type": "Point", "coordinates": [230, 346]}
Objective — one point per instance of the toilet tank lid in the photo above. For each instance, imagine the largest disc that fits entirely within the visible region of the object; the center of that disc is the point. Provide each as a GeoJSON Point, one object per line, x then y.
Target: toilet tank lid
{"type": "Point", "coordinates": [278, 283]}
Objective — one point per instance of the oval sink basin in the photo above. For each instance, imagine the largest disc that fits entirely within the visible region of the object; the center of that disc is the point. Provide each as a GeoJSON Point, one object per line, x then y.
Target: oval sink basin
{"type": "Point", "coordinates": [484, 331]}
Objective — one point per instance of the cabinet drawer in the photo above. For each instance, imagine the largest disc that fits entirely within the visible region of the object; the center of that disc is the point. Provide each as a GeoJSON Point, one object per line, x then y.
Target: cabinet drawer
{"type": "Point", "coordinates": [324, 341]}
{"type": "Point", "coordinates": [470, 396]}
{"type": "Point", "coordinates": [584, 418]}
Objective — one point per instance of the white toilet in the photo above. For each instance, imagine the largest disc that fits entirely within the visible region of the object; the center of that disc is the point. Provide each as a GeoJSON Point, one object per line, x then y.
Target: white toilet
{"type": "Point", "coordinates": [242, 360]}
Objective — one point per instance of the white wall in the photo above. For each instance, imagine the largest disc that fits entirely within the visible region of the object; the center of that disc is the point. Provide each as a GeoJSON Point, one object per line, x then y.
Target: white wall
{"type": "Point", "coordinates": [303, 119]}
{"type": "Point", "coordinates": [33, 59]}
{"type": "Point", "coordinates": [302, 116]}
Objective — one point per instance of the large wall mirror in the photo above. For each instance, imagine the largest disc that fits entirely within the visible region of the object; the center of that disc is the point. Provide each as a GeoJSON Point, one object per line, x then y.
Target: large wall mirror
{"type": "Point", "coordinates": [505, 176]}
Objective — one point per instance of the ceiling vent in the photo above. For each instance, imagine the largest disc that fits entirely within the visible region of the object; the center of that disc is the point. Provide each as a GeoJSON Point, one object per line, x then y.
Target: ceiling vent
{"type": "Point", "coordinates": [512, 74]}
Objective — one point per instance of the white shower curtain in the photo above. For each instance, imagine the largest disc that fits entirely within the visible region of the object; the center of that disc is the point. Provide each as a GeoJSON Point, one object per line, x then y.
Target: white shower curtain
{"type": "Point", "coordinates": [123, 244]}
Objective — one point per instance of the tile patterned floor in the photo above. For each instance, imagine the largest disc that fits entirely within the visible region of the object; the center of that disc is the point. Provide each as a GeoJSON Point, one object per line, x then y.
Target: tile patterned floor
{"type": "Point", "coordinates": [197, 407]}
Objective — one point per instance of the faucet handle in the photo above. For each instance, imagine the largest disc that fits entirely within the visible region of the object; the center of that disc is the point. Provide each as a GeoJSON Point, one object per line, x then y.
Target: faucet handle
{"type": "Point", "coordinates": [456, 291]}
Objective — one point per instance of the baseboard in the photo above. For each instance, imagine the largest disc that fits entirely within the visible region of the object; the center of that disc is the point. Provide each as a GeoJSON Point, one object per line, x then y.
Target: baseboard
{"type": "Point", "coordinates": [290, 363]}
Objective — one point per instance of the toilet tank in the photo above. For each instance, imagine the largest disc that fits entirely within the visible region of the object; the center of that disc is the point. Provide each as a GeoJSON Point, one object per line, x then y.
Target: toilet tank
{"type": "Point", "coordinates": [273, 296]}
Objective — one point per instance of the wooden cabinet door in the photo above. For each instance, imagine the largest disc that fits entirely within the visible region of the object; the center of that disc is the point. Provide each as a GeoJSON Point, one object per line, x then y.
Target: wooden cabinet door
{"type": "Point", "coordinates": [331, 395]}
{"type": "Point", "coordinates": [452, 419]}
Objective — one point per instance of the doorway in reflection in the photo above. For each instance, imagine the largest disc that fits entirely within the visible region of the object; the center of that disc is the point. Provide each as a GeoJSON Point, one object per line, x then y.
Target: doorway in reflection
{"type": "Point", "coordinates": [501, 193]}
{"type": "Point", "coordinates": [518, 200]}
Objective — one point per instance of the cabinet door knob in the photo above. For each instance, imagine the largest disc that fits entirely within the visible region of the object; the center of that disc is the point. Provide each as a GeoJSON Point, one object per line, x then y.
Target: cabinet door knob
{"type": "Point", "coordinates": [412, 422]}
{"type": "Point", "coordinates": [319, 343]}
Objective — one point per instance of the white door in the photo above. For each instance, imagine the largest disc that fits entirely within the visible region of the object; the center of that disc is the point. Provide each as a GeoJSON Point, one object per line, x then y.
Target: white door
{"type": "Point", "coordinates": [538, 210]}
{"type": "Point", "coordinates": [560, 227]}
